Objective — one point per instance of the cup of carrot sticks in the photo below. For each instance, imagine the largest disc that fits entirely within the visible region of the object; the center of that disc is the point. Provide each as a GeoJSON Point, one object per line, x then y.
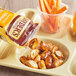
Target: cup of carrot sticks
{"type": "Point", "coordinates": [52, 14]}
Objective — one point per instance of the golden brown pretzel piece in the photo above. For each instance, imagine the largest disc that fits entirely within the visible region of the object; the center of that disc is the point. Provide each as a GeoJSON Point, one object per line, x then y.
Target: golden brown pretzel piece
{"type": "Point", "coordinates": [33, 43]}
{"type": "Point", "coordinates": [32, 64]}
{"type": "Point", "coordinates": [33, 54]}
{"type": "Point", "coordinates": [37, 59]}
{"type": "Point", "coordinates": [48, 62]}
{"type": "Point", "coordinates": [23, 59]}
{"type": "Point", "coordinates": [57, 63]}
{"type": "Point", "coordinates": [43, 46]}
{"type": "Point", "coordinates": [41, 64]}
{"type": "Point", "coordinates": [45, 54]}
{"type": "Point", "coordinates": [59, 54]}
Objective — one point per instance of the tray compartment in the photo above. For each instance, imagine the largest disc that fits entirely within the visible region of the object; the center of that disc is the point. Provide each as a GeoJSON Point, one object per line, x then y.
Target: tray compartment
{"type": "Point", "coordinates": [22, 51]}
{"type": "Point", "coordinates": [29, 13]}
{"type": "Point", "coordinates": [73, 64]}
{"type": "Point", "coordinates": [5, 49]}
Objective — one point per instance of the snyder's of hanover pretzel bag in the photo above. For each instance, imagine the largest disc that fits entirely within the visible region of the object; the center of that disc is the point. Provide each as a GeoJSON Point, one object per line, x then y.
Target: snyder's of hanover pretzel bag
{"type": "Point", "coordinates": [16, 29]}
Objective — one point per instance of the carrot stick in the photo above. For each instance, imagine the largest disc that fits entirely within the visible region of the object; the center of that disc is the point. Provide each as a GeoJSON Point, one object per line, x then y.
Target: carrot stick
{"type": "Point", "coordinates": [62, 10]}
{"type": "Point", "coordinates": [49, 2]}
{"type": "Point", "coordinates": [47, 25]}
{"type": "Point", "coordinates": [42, 6]}
{"type": "Point", "coordinates": [54, 10]}
{"type": "Point", "coordinates": [52, 3]}
{"type": "Point", "coordinates": [47, 6]}
{"type": "Point", "coordinates": [58, 3]}
{"type": "Point", "coordinates": [74, 23]}
{"type": "Point", "coordinates": [53, 6]}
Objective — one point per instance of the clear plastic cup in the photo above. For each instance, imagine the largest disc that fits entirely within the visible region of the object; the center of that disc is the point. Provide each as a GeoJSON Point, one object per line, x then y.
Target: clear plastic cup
{"type": "Point", "coordinates": [51, 23]}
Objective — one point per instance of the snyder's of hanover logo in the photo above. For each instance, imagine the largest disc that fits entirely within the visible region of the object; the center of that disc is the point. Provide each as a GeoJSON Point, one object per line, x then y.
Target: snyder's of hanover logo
{"type": "Point", "coordinates": [18, 27]}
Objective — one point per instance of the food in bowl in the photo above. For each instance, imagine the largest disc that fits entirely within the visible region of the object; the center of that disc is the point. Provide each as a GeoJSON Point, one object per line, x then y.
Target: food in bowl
{"type": "Point", "coordinates": [52, 14]}
{"type": "Point", "coordinates": [43, 55]}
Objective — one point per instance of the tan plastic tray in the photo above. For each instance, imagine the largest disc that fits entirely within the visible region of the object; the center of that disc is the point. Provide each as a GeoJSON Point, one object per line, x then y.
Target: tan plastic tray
{"type": "Point", "coordinates": [65, 43]}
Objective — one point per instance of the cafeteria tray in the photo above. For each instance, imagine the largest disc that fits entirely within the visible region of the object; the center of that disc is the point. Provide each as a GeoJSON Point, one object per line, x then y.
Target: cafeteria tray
{"type": "Point", "coordinates": [9, 54]}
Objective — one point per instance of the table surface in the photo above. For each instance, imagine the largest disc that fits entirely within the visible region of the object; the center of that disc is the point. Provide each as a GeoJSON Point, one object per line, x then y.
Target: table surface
{"type": "Point", "coordinates": [5, 71]}
{"type": "Point", "coordinates": [15, 5]}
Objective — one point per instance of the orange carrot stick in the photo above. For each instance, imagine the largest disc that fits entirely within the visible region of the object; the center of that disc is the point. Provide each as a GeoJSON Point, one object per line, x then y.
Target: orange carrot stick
{"type": "Point", "coordinates": [62, 10]}
{"type": "Point", "coordinates": [47, 6]}
{"type": "Point", "coordinates": [54, 10]}
{"type": "Point", "coordinates": [49, 2]}
{"type": "Point", "coordinates": [42, 7]}
{"type": "Point", "coordinates": [53, 6]}
{"type": "Point", "coordinates": [58, 3]}
{"type": "Point", "coordinates": [52, 3]}
{"type": "Point", "coordinates": [74, 23]}
{"type": "Point", "coordinates": [47, 26]}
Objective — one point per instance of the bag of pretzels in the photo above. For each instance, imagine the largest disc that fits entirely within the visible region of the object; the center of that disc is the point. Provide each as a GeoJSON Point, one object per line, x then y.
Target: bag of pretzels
{"type": "Point", "coordinates": [16, 29]}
